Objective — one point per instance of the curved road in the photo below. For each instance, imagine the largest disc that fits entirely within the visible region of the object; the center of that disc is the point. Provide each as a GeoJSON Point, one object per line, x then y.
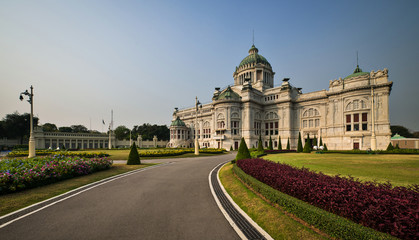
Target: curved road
{"type": "Point", "coordinates": [173, 201]}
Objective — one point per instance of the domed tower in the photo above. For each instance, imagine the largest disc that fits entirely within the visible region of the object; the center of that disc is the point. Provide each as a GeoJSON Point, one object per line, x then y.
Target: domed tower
{"type": "Point", "coordinates": [255, 69]}
{"type": "Point", "coordinates": [179, 134]}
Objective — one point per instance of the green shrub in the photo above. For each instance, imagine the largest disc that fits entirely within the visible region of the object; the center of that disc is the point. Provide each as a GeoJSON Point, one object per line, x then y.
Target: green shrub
{"type": "Point", "coordinates": [321, 142]}
{"type": "Point", "coordinates": [288, 144]}
{"type": "Point", "coordinates": [231, 148]}
{"type": "Point", "coordinates": [243, 152]}
{"type": "Point", "coordinates": [270, 147]}
{"type": "Point", "coordinates": [300, 144]}
{"type": "Point", "coordinates": [260, 144]}
{"type": "Point", "coordinates": [390, 147]}
{"type": "Point", "coordinates": [333, 225]}
{"type": "Point", "coordinates": [279, 143]}
{"type": "Point", "coordinates": [325, 147]}
{"type": "Point", "coordinates": [133, 157]}
{"type": "Point", "coordinates": [307, 147]}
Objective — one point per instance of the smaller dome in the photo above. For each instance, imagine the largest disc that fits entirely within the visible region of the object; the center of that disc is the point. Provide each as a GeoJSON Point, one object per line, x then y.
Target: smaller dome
{"type": "Point", "coordinates": [358, 72]}
{"type": "Point", "coordinates": [178, 123]}
{"type": "Point", "coordinates": [229, 94]}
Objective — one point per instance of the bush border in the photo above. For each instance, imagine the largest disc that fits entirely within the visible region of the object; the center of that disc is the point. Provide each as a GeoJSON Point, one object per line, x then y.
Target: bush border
{"type": "Point", "coordinates": [330, 223]}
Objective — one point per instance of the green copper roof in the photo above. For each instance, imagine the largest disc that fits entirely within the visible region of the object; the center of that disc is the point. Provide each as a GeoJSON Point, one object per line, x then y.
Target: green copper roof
{"type": "Point", "coordinates": [397, 136]}
{"type": "Point", "coordinates": [178, 123]}
{"type": "Point", "coordinates": [358, 72]}
{"type": "Point", "coordinates": [228, 94]}
{"type": "Point", "coordinates": [254, 57]}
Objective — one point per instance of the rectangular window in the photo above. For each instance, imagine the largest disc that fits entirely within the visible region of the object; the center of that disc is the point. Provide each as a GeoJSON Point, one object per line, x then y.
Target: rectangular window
{"type": "Point", "coordinates": [304, 123]}
{"type": "Point", "coordinates": [364, 126]}
{"type": "Point", "coordinates": [276, 124]}
{"type": "Point", "coordinates": [272, 132]}
{"type": "Point", "coordinates": [356, 127]}
{"type": "Point", "coordinates": [348, 127]}
{"type": "Point", "coordinates": [364, 117]}
{"type": "Point", "coordinates": [348, 118]}
{"type": "Point", "coordinates": [317, 122]}
{"type": "Point", "coordinates": [272, 125]}
{"type": "Point", "coordinates": [276, 132]}
{"type": "Point", "coordinates": [356, 117]}
{"type": "Point", "coordinates": [266, 132]}
{"type": "Point", "coordinates": [266, 125]}
{"type": "Point", "coordinates": [310, 123]}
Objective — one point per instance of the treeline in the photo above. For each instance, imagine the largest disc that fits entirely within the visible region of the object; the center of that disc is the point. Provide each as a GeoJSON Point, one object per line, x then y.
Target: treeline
{"type": "Point", "coordinates": [147, 132]}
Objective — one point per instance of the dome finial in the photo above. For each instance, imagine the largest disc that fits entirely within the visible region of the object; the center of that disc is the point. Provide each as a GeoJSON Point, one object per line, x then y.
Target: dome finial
{"type": "Point", "coordinates": [253, 42]}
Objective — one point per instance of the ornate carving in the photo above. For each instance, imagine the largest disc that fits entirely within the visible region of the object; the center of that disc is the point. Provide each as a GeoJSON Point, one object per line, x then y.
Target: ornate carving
{"type": "Point", "coordinates": [379, 73]}
{"type": "Point", "coordinates": [335, 82]}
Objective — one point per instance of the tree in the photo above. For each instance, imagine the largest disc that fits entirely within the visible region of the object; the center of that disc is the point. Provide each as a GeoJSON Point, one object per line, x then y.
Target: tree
{"type": "Point", "coordinates": [270, 147]}
{"type": "Point", "coordinates": [49, 127]}
{"type": "Point", "coordinates": [300, 144]}
{"type": "Point", "coordinates": [243, 152]}
{"type": "Point", "coordinates": [288, 144]}
{"type": "Point", "coordinates": [279, 143]}
{"type": "Point", "coordinates": [133, 157]}
{"type": "Point", "coordinates": [324, 147]}
{"type": "Point", "coordinates": [390, 147]}
{"type": "Point", "coordinates": [79, 129]}
{"type": "Point", "coordinates": [121, 133]}
{"type": "Point", "coordinates": [17, 126]}
{"type": "Point", "coordinates": [260, 145]}
{"type": "Point", "coordinates": [148, 131]}
{"type": "Point", "coordinates": [307, 147]}
{"type": "Point", "coordinates": [402, 131]}
{"type": "Point", "coordinates": [65, 129]}
{"type": "Point", "coordinates": [416, 134]}
{"type": "Point", "coordinates": [321, 142]}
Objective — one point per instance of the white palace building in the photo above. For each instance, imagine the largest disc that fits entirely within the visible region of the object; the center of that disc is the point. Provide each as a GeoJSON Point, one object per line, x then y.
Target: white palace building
{"type": "Point", "coordinates": [352, 114]}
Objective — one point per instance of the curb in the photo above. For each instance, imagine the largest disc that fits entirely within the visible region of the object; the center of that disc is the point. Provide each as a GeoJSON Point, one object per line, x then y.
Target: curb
{"type": "Point", "coordinates": [244, 226]}
{"type": "Point", "coordinates": [36, 207]}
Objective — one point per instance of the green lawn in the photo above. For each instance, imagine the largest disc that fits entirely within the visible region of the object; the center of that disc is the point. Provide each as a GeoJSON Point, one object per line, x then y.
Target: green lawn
{"type": "Point", "coordinates": [399, 169]}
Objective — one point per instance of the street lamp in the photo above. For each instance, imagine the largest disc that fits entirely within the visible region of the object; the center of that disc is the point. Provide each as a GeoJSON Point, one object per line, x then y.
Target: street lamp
{"type": "Point", "coordinates": [197, 104]}
{"type": "Point", "coordinates": [31, 137]}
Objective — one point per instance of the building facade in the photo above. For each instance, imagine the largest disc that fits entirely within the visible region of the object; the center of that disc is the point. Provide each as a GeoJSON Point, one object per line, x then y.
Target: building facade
{"type": "Point", "coordinates": [352, 114]}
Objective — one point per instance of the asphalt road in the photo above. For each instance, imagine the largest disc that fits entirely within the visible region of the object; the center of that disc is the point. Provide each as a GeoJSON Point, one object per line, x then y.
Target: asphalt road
{"type": "Point", "coordinates": [173, 201]}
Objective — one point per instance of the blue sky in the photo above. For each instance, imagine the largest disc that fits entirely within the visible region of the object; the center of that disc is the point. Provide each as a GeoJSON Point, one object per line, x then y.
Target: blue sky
{"type": "Point", "coordinates": [143, 58]}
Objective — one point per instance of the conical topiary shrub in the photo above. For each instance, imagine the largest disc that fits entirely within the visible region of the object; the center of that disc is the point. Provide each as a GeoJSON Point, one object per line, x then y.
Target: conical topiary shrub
{"type": "Point", "coordinates": [307, 148]}
{"type": "Point", "coordinates": [314, 141]}
{"type": "Point", "coordinates": [288, 144]}
{"type": "Point", "coordinates": [243, 152]}
{"type": "Point", "coordinates": [324, 147]}
{"type": "Point", "coordinates": [270, 147]}
{"type": "Point", "coordinates": [279, 143]}
{"type": "Point", "coordinates": [260, 145]}
{"type": "Point", "coordinates": [321, 142]}
{"type": "Point", "coordinates": [300, 144]}
{"type": "Point", "coordinates": [133, 157]}
{"type": "Point", "coordinates": [390, 147]}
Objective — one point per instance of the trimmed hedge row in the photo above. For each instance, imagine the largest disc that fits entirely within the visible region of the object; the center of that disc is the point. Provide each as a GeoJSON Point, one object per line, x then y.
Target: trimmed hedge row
{"type": "Point", "coordinates": [62, 153]}
{"type": "Point", "coordinates": [394, 151]}
{"type": "Point", "coordinates": [327, 222]}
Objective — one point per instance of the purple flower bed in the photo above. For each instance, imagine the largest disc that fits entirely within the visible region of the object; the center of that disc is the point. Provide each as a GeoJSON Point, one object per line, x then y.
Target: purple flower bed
{"type": "Point", "coordinates": [18, 174]}
{"type": "Point", "coordinates": [393, 210]}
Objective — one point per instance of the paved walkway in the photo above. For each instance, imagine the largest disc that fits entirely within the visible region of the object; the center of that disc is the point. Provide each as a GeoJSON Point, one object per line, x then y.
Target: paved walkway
{"type": "Point", "coordinates": [168, 202]}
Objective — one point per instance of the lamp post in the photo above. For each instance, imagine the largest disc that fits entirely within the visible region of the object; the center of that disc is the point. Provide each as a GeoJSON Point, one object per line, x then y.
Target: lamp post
{"type": "Point", "coordinates": [197, 104]}
{"type": "Point", "coordinates": [31, 137]}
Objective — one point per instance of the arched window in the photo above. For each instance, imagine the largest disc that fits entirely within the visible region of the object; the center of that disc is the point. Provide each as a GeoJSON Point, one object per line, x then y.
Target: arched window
{"type": "Point", "coordinates": [356, 118]}
{"type": "Point", "coordinates": [207, 130]}
{"type": "Point", "coordinates": [271, 123]}
{"type": "Point", "coordinates": [311, 118]}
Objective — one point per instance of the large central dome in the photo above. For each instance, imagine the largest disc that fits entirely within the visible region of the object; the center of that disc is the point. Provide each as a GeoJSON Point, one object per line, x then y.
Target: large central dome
{"type": "Point", "coordinates": [254, 57]}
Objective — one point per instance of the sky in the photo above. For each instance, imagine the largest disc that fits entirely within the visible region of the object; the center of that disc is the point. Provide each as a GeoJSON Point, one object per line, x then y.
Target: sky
{"type": "Point", "coordinates": [142, 59]}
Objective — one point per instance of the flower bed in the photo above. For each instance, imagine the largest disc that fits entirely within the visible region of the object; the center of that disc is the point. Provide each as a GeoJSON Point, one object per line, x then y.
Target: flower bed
{"type": "Point", "coordinates": [63, 153]}
{"type": "Point", "coordinates": [18, 174]}
{"type": "Point", "coordinates": [379, 206]}
{"type": "Point", "coordinates": [278, 151]}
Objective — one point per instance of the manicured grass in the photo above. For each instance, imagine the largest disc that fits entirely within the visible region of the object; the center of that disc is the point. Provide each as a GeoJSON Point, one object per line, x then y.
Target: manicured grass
{"type": "Point", "coordinates": [273, 220]}
{"type": "Point", "coordinates": [14, 201]}
{"type": "Point", "coordinates": [122, 154]}
{"type": "Point", "coordinates": [399, 169]}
